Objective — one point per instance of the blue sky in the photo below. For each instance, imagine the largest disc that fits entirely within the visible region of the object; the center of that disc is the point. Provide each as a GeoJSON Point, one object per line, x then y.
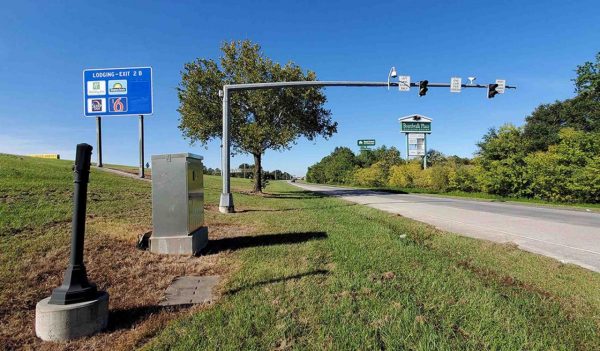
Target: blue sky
{"type": "Point", "coordinates": [45, 45]}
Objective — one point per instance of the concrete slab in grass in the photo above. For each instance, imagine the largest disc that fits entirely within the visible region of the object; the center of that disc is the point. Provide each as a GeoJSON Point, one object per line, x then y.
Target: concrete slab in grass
{"type": "Point", "coordinates": [190, 290]}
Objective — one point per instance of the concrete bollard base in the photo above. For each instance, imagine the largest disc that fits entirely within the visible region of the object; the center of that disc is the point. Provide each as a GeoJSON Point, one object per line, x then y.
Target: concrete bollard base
{"type": "Point", "coordinates": [65, 322]}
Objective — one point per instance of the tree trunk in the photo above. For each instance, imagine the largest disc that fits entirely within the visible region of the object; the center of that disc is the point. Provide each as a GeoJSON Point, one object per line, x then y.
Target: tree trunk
{"type": "Point", "coordinates": [257, 173]}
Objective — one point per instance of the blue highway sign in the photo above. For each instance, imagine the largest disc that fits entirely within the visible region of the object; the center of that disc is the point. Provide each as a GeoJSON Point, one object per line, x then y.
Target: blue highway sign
{"type": "Point", "coordinates": [117, 91]}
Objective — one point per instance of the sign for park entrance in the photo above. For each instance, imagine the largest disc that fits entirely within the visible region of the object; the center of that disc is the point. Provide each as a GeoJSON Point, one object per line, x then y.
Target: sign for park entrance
{"type": "Point", "coordinates": [366, 142]}
{"type": "Point", "coordinates": [117, 91]}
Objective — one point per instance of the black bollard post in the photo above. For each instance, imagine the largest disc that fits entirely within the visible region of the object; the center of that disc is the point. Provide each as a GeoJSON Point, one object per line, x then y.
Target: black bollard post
{"type": "Point", "coordinates": [75, 287]}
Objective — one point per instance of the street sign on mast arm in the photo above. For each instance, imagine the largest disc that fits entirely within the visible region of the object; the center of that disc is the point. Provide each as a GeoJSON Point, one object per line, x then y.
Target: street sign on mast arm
{"type": "Point", "coordinates": [501, 86]}
{"type": "Point", "coordinates": [455, 84]}
{"type": "Point", "coordinates": [404, 83]}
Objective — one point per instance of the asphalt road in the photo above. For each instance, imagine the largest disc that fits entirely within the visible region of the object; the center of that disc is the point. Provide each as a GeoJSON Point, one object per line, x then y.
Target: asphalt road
{"type": "Point", "coordinates": [568, 235]}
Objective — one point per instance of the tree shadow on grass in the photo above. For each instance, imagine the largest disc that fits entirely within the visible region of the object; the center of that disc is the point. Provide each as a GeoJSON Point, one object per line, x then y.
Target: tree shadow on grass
{"type": "Point", "coordinates": [242, 242]}
{"type": "Point", "coordinates": [277, 280]}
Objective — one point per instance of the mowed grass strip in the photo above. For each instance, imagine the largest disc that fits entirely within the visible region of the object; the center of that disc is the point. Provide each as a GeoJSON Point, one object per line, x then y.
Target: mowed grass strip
{"type": "Point", "coordinates": [365, 279]}
{"type": "Point", "coordinates": [301, 271]}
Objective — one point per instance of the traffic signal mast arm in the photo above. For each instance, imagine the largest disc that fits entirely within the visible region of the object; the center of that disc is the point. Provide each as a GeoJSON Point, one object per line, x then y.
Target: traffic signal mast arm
{"type": "Point", "coordinates": [315, 83]}
{"type": "Point", "coordinates": [447, 85]}
{"type": "Point", "coordinates": [226, 201]}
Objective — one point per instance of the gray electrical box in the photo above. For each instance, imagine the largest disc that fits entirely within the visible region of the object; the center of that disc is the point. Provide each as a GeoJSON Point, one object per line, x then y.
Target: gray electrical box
{"type": "Point", "coordinates": [177, 205]}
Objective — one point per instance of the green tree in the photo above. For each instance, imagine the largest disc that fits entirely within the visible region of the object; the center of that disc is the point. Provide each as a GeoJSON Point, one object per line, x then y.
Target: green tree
{"type": "Point", "coordinates": [371, 176]}
{"type": "Point", "coordinates": [568, 171]}
{"type": "Point", "coordinates": [587, 81]}
{"type": "Point", "coordinates": [543, 125]}
{"type": "Point", "coordinates": [270, 119]}
{"type": "Point", "coordinates": [580, 113]}
{"type": "Point", "coordinates": [384, 156]}
{"type": "Point", "coordinates": [435, 157]}
{"type": "Point", "coordinates": [335, 168]}
{"type": "Point", "coordinates": [501, 156]}
{"type": "Point", "coordinates": [405, 175]}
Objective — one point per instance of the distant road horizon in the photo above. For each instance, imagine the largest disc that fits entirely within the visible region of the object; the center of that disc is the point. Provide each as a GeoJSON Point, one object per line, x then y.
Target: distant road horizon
{"type": "Point", "coordinates": [570, 236]}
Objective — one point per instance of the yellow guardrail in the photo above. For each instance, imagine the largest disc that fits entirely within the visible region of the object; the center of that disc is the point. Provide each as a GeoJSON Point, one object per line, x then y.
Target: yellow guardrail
{"type": "Point", "coordinates": [53, 156]}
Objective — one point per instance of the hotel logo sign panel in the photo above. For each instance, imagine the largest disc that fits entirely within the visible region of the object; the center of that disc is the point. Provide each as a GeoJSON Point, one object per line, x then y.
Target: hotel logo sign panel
{"type": "Point", "coordinates": [117, 92]}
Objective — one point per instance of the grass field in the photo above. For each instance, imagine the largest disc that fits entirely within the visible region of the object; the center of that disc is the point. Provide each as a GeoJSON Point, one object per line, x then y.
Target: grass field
{"type": "Point", "coordinates": [300, 271]}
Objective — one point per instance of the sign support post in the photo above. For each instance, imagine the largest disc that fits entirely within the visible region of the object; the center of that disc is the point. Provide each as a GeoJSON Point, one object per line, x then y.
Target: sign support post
{"type": "Point", "coordinates": [425, 154]}
{"type": "Point", "coordinates": [407, 148]}
{"type": "Point", "coordinates": [141, 128]}
{"type": "Point", "coordinates": [99, 140]}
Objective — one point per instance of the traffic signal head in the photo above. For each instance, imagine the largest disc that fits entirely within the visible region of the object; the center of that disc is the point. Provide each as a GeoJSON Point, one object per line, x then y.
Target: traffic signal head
{"type": "Point", "coordinates": [492, 90]}
{"type": "Point", "coordinates": [423, 87]}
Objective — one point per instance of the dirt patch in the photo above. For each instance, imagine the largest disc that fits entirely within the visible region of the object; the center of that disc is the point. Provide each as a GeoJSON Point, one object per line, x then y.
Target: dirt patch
{"type": "Point", "coordinates": [229, 230]}
{"type": "Point", "coordinates": [136, 281]}
{"type": "Point", "coordinates": [505, 280]}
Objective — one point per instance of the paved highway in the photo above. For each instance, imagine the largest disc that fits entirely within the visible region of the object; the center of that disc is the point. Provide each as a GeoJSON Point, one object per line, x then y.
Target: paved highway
{"type": "Point", "coordinates": [567, 235]}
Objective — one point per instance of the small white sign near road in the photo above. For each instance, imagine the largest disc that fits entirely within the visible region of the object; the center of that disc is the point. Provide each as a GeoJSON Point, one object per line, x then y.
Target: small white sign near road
{"type": "Point", "coordinates": [455, 84]}
{"type": "Point", "coordinates": [404, 83]}
{"type": "Point", "coordinates": [501, 86]}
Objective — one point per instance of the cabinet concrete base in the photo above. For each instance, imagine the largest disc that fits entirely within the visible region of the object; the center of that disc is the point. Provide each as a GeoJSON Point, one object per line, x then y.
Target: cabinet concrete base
{"type": "Point", "coordinates": [65, 322]}
{"type": "Point", "coordinates": [180, 245]}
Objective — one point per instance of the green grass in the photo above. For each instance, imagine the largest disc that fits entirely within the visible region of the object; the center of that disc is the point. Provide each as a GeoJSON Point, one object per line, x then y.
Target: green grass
{"type": "Point", "coordinates": [312, 272]}
{"type": "Point", "coordinates": [381, 281]}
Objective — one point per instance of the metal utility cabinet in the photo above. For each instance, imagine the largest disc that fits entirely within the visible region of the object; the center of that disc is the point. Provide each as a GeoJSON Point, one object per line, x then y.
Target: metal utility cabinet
{"type": "Point", "coordinates": [177, 205]}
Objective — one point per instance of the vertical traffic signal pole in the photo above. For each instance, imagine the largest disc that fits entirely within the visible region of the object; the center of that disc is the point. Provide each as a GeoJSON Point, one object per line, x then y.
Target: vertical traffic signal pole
{"type": "Point", "coordinates": [99, 141]}
{"type": "Point", "coordinates": [226, 201]}
{"type": "Point", "coordinates": [141, 141]}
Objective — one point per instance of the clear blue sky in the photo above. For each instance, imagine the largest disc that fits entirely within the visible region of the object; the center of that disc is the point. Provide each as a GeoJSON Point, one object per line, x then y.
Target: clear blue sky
{"type": "Point", "coordinates": [45, 45]}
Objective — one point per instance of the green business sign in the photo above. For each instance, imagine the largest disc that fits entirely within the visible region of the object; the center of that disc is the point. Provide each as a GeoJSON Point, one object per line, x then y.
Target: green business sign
{"type": "Point", "coordinates": [422, 127]}
{"type": "Point", "coordinates": [366, 142]}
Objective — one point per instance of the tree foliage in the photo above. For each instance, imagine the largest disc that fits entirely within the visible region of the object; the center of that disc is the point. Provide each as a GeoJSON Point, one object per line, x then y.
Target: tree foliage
{"type": "Point", "coordinates": [580, 113]}
{"type": "Point", "coordinates": [341, 165]}
{"type": "Point", "coordinates": [587, 82]}
{"type": "Point", "coordinates": [270, 119]}
{"type": "Point", "coordinates": [335, 168]}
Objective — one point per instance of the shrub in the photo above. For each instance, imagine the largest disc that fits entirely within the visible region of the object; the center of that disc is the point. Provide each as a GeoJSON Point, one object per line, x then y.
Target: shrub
{"type": "Point", "coordinates": [464, 178]}
{"type": "Point", "coordinates": [403, 176]}
{"type": "Point", "coordinates": [440, 177]}
{"type": "Point", "coordinates": [371, 176]}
